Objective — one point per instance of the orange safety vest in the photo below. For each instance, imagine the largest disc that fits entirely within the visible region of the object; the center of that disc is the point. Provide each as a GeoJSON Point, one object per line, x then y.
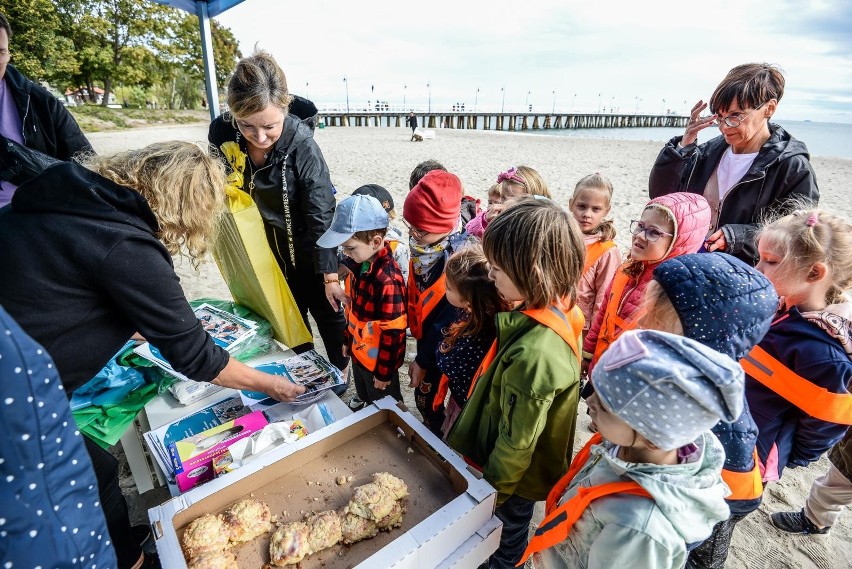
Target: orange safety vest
{"type": "Point", "coordinates": [559, 520]}
{"type": "Point", "coordinates": [814, 400]}
{"type": "Point", "coordinates": [422, 303]}
{"type": "Point", "coordinates": [744, 485]}
{"type": "Point", "coordinates": [595, 251]}
{"type": "Point", "coordinates": [441, 392]}
{"type": "Point", "coordinates": [613, 325]}
{"type": "Point", "coordinates": [367, 335]}
{"type": "Point", "coordinates": [567, 325]}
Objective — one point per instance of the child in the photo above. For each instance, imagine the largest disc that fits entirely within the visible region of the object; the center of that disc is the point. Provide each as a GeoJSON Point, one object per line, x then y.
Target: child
{"type": "Point", "coordinates": [495, 195]}
{"type": "Point", "coordinates": [375, 311]}
{"type": "Point", "coordinates": [648, 483]}
{"type": "Point", "coordinates": [514, 182]}
{"type": "Point", "coordinates": [468, 339]}
{"type": "Point", "coordinates": [431, 211]}
{"type": "Point", "coordinates": [518, 423]}
{"type": "Point", "coordinates": [394, 235]}
{"type": "Point", "coordinates": [798, 377]}
{"type": "Point", "coordinates": [726, 305]}
{"type": "Point", "coordinates": [670, 225]}
{"type": "Point", "coordinates": [589, 205]}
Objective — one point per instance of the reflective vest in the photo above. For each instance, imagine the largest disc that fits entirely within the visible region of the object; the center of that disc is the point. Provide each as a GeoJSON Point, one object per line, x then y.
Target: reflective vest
{"type": "Point", "coordinates": [613, 325]}
{"type": "Point", "coordinates": [421, 304]}
{"type": "Point", "coordinates": [559, 520]}
{"type": "Point", "coordinates": [568, 325]}
{"type": "Point", "coordinates": [595, 251]}
{"type": "Point", "coordinates": [367, 335]}
{"type": "Point", "coordinates": [814, 400]}
{"type": "Point", "coordinates": [744, 485]}
{"type": "Point", "coordinates": [441, 392]}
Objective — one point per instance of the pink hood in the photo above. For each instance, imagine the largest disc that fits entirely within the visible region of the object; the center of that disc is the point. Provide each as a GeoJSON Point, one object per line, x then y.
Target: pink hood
{"type": "Point", "coordinates": [691, 215]}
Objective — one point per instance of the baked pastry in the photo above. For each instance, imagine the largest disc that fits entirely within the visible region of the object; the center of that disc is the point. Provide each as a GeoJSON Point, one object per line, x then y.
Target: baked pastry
{"type": "Point", "coordinates": [214, 560]}
{"type": "Point", "coordinates": [393, 519]}
{"type": "Point", "coordinates": [355, 528]}
{"type": "Point", "coordinates": [390, 482]}
{"type": "Point", "coordinates": [289, 544]}
{"type": "Point", "coordinates": [205, 534]}
{"type": "Point", "coordinates": [372, 501]}
{"type": "Point", "coordinates": [247, 519]}
{"type": "Point", "coordinates": [324, 530]}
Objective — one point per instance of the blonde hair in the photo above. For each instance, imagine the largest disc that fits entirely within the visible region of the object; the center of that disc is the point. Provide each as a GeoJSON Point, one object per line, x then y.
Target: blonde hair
{"type": "Point", "coordinates": [495, 191]}
{"type": "Point", "coordinates": [550, 275]}
{"type": "Point", "coordinates": [598, 181]}
{"type": "Point", "coordinates": [532, 184]}
{"type": "Point", "coordinates": [656, 312]}
{"type": "Point", "coordinates": [809, 236]}
{"type": "Point", "coordinates": [257, 83]}
{"type": "Point", "coordinates": [183, 185]}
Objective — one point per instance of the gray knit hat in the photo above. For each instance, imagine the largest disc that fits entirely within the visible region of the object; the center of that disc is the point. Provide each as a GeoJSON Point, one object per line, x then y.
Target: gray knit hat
{"type": "Point", "coordinates": [668, 388]}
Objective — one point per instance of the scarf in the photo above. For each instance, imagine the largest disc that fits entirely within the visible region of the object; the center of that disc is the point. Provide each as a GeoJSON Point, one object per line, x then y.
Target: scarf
{"type": "Point", "coordinates": [836, 321]}
{"type": "Point", "coordinates": [424, 257]}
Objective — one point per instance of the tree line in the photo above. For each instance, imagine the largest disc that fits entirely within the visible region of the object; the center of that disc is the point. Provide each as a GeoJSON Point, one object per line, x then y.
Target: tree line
{"type": "Point", "coordinates": [139, 49]}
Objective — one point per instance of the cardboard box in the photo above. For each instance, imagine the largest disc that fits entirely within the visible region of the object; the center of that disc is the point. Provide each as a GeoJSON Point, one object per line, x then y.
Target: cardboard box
{"type": "Point", "coordinates": [477, 549]}
{"type": "Point", "coordinates": [446, 507]}
{"type": "Point", "coordinates": [193, 457]}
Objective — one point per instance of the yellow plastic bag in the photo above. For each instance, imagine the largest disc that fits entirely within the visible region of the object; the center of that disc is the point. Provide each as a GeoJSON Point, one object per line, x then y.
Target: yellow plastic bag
{"type": "Point", "coordinates": [251, 271]}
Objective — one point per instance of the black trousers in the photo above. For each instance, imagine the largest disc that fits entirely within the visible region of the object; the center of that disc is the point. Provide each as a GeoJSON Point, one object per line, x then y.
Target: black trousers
{"type": "Point", "coordinates": [127, 550]}
{"type": "Point", "coordinates": [364, 384]}
{"type": "Point", "coordinates": [713, 552]}
{"type": "Point", "coordinates": [516, 514]}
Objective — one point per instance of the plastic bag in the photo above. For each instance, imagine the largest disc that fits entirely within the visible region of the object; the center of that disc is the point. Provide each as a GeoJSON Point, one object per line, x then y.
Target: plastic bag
{"type": "Point", "coordinates": [251, 271]}
{"type": "Point", "coordinates": [260, 343]}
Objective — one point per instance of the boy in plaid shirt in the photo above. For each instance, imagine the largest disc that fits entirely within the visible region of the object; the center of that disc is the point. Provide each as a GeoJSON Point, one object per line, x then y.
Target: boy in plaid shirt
{"type": "Point", "coordinates": [375, 309]}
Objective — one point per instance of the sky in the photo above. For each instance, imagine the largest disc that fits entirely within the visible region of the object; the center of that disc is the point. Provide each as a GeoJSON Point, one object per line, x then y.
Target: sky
{"type": "Point", "coordinates": [649, 57]}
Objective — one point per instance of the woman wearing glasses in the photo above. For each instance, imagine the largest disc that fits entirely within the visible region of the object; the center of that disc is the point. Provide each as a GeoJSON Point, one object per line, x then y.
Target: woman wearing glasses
{"type": "Point", "coordinates": [753, 168]}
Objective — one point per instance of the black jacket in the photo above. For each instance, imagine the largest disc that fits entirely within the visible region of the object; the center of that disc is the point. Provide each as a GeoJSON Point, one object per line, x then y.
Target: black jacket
{"type": "Point", "coordinates": [309, 190]}
{"type": "Point", "coordinates": [47, 126]}
{"type": "Point", "coordinates": [780, 172]}
{"type": "Point", "coordinates": [83, 270]}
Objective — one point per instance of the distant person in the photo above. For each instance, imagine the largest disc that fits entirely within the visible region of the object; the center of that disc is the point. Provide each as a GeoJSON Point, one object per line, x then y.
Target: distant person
{"type": "Point", "coordinates": [286, 174]}
{"type": "Point", "coordinates": [412, 122]}
{"type": "Point", "coordinates": [32, 117]}
{"type": "Point", "coordinates": [752, 170]}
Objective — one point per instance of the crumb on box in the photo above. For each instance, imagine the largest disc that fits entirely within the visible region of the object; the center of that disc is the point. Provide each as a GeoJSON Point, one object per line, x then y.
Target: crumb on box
{"type": "Point", "coordinates": [409, 450]}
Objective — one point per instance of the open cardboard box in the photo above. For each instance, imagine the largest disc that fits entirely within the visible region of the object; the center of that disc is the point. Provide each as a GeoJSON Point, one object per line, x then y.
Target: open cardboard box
{"type": "Point", "coordinates": [446, 507]}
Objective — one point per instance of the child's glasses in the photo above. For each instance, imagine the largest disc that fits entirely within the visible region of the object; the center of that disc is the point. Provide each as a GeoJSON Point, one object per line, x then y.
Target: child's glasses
{"type": "Point", "coordinates": [651, 233]}
{"type": "Point", "coordinates": [414, 232]}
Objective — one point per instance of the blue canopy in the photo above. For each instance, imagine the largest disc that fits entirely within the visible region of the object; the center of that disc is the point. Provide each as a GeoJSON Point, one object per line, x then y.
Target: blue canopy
{"type": "Point", "coordinates": [205, 9]}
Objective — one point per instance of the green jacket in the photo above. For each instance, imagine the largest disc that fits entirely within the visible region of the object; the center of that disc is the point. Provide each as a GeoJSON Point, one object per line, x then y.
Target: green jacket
{"type": "Point", "coordinates": [518, 424]}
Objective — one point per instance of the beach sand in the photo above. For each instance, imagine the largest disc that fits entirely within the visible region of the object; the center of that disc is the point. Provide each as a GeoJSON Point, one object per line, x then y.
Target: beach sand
{"type": "Point", "coordinates": [384, 156]}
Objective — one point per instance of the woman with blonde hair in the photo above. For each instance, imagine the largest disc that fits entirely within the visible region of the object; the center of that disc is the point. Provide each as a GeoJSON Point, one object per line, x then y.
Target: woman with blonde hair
{"type": "Point", "coordinates": [87, 263]}
{"type": "Point", "coordinates": [272, 155]}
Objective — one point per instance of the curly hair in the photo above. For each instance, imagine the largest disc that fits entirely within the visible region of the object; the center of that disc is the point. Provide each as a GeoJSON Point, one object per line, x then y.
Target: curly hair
{"type": "Point", "coordinates": [257, 83]}
{"type": "Point", "coordinates": [183, 185]}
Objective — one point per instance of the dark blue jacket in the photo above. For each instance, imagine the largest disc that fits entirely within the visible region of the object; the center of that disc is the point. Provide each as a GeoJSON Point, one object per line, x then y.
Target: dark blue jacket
{"type": "Point", "coordinates": [814, 355]}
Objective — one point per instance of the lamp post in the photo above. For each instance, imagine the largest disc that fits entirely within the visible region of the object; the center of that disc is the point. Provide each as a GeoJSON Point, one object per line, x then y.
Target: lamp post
{"type": "Point", "coordinates": [429, 86]}
{"type": "Point", "coordinates": [503, 104]}
{"type": "Point", "coordinates": [574, 98]}
{"type": "Point", "coordinates": [636, 112]}
{"type": "Point", "coordinates": [306, 90]}
{"type": "Point", "coordinates": [599, 103]}
{"type": "Point", "coordinates": [527, 102]}
{"type": "Point", "coordinates": [346, 83]}
{"type": "Point", "coordinates": [663, 110]}
{"type": "Point", "coordinates": [476, 99]}
{"type": "Point", "coordinates": [404, 88]}
{"type": "Point", "coordinates": [553, 108]}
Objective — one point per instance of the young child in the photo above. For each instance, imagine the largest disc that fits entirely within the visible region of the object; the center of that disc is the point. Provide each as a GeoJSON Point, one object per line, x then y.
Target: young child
{"type": "Point", "coordinates": [468, 339]}
{"type": "Point", "coordinates": [495, 195]}
{"type": "Point", "coordinates": [431, 211]}
{"type": "Point", "coordinates": [590, 204]}
{"type": "Point", "coordinates": [798, 377]}
{"type": "Point", "coordinates": [394, 235]}
{"type": "Point", "coordinates": [649, 482]}
{"type": "Point", "coordinates": [518, 423]}
{"type": "Point", "coordinates": [513, 183]}
{"type": "Point", "coordinates": [375, 311]}
{"type": "Point", "coordinates": [670, 225]}
{"type": "Point", "coordinates": [726, 305]}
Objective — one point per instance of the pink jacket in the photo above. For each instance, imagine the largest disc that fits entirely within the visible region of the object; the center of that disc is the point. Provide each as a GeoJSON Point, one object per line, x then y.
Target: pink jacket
{"type": "Point", "coordinates": [477, 225]}
{"type": "Point", "coordinates": [593, 285]}
{"type": "Point", "coordinates": [691, 215]}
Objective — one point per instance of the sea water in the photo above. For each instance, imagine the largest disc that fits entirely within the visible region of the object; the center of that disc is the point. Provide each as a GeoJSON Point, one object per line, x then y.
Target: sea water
{"type": "Point", "coordinates": [822, 139]}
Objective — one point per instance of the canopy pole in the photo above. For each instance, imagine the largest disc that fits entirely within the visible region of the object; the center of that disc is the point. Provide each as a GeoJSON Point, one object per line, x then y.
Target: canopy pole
{"type": "Point", "coordinates": [207, 56]}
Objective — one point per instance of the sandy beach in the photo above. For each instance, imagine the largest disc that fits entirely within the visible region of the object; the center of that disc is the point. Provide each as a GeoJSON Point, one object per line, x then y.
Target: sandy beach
{"type": "Point", "coordinates": [384, 156]}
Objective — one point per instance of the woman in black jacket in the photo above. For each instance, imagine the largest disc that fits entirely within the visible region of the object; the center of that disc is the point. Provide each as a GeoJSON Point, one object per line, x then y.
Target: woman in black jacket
{"type": "Point", "coordinates": [287, 176]}
{"type": "Point", "coordinates": [753, 169]}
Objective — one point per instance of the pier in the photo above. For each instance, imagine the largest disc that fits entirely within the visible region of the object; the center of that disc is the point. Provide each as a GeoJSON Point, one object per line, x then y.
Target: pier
{"type": "Point", "coordinates": [506, 121]}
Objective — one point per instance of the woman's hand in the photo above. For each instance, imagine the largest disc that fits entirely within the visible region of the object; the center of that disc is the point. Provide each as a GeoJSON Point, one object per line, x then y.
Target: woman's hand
{"type": "Point", "coordinates": [716, 242]}
{"type": "Point", "coordinates": [696, 123]}
{"type": "Point", "coordinates": [416, 373]}
{"type": "Point", "coordinates": [334, 292]}
{"type": "Point", "coordinates": [238, 375]}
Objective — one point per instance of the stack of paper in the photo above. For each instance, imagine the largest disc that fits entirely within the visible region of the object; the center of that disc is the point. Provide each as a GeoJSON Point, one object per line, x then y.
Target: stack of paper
{"type": "Point", "coordinates": [310, 369]}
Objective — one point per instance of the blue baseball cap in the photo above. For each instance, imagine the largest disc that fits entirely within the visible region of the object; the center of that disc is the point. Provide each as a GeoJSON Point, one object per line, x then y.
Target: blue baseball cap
{"type": "Point", "coordinates": [354, 214]}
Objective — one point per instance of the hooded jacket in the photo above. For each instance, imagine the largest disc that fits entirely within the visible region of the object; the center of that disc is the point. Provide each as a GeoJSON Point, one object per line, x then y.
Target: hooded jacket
{"type": "Point", "coordinates": [519, 421]}
{"type": "Point", "coordinates": [788, 436]}
{"type": "Point", "coordinates": [309, 190]}
{"type": "Point", "coordinates": [691, 216]}
{"type": "Point", "coordinates": [780, 172]}
{"type": "Point", "coordinates": [636, 532]}
{"type": "Point", "coordinates": [83, 270]}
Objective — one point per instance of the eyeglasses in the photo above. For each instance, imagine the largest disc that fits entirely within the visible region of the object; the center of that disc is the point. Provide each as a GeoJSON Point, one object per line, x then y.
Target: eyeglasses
{"type": "Point", "coordinates": [651, 233]}
{"type": "Point", "coordinates": [414, 232]}
{"type": "Point", "coordinates": [733, 121]}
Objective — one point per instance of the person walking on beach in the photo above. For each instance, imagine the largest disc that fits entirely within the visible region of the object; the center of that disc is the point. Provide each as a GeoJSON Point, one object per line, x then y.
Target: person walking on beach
{"type": "Point", "coordinates": [412, 122]}
{"type": "Point", "coordinates": [749, 171]}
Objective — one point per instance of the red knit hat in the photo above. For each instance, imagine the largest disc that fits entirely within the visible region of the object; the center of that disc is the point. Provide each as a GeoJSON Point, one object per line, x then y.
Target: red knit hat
{"type": "Point", "coordinates": [434, 204]}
